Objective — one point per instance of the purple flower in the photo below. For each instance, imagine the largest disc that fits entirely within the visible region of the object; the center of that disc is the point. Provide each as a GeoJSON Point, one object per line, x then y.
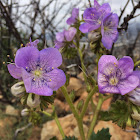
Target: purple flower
{"type": "Point", "coordinates": [116, 76]}
{"type": "Point", "coordinates": [65, 38]}
{"type": "Point", "coordinates": [74, 16]}
{"type": "Point", "coordinates": [38, 70]}
{"type": "Point", "coordinates": [134, 95]}
{"type": "Point", "coordinates": [101, 19]}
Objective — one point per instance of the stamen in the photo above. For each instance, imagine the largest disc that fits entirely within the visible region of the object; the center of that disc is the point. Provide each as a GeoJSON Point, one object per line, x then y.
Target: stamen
{"type": "Point", "coordinates": [52, 67]}
{"type": "Point", "coordinates": [50, 80]}
{"type": "Point", "coordinates": [40, 68]}
{"type": "Point", "coordinates": [3, 62]}
{"type": "Point", "coordinates": [33, 79]}
{"type": "Point", "coordinates": [138, 66]}
{"type": "Point", "coordinates": [8, 55]}
{"type": "Point", "coordinates": [21, 45]}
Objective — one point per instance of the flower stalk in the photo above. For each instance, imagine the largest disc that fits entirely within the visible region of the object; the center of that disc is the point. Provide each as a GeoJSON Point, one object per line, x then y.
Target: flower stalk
{"type": "Point", "coordinates": [94, 120]}
{"type": "Point", "coordinates": [74, 111]}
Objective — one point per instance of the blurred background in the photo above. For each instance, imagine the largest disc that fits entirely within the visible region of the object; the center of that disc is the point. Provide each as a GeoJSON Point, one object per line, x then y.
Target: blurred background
{"type": "Point", "coordinates": [42, 19]}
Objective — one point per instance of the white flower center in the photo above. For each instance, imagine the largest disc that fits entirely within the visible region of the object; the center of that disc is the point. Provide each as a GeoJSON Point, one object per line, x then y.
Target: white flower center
{"type": "Point", "coordinates": [113, 81]}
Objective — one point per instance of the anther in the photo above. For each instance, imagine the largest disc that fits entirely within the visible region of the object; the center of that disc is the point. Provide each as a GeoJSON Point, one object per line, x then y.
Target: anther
{"type": "Point", "coordinates": [3, 62]}
{"type": "Point", "coordinates": [50, 80]}
{"type": "Point", "coordinates": [40, 68]}
{"type": "Point", "coordinates": [138, 66]}
{"type": "Point", "coordinates": [8, 55]}
{"type": "Point", "coordinates": [21, 45]}
{"type": "Point", "coordinates": [52, 67]}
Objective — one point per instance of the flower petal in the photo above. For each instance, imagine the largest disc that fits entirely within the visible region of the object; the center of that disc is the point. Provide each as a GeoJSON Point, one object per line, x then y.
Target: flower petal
{"type": "Point", "coordinates": [55, 79]}
{"type": "Point", "coordinates": [14, 71]}
{"type": "Point", "coordinates": [60, 36]}
{"type": "Point", "coordinates": [35, 86]}
{"type": "Point", "coordinates": [69, 34]}
{"type": "Point", "coordinates": [71, 20]}
{"type": "Point", "coordinates": [126, 66]}
{"type": "Point", "coordinates": [27, 57]}
{"type": "Point", "coordinates": [109, 30]}
{"type": "Point", "coordinates": [75, 12]}
{"type": "Point", "coordinates": [129, 84]}
{"type": "Point", "coordinates": [96, 4]}
{"type": "Point", "coordinates": [84, 28]}
{"type": "Point", "coordinates": [137, 73]}
{"type": "Point", "coordinates": [92, 16]}
{"type": "Point", "coordinates": [58, 44]}
{"type": "Point", "coordinates": [50, 57]}
{"type": "Point", "coordinates": [105, 61]}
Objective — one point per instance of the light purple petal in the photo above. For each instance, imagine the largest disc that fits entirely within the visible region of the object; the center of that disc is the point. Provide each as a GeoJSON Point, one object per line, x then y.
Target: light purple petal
{"type": "Point", "coordinates": [27, 57]}
{"type": "Point", "coordinates": [96, 4]}
{"type": "Point", "coordinates": [137, 73]}
{"type": "Point", "coordinates": [109, 37]}
{"type": "Point", "coordinates": [84, 28]}
{"type": "Point", "coordinates": [75, 12]}
{"type": "Point", "coordinates": [134, 96]}
{"type": "Point", "coordinates": [60, 36]}
{"type": "Point", "coordinates": [129, 84]}
{"type": "Point", "coordinates": [104, 10]}
{"type": "Point", "coordinates": [35, 86]}
{"type": "Point", "coordinates": [105, 61]}
{"type": "Point", "coordinates": [56, 78]}
{"type": "Point", "coordinates": [59, 45]}
{"type": "Point", "coordinates": [94, 27]}
{"type": "Point", "coordinates": [71, 20]}
{"type": "Point", "coordinates": [126, 66]}
{"type": "Point", "coordinates": [50, 57]}
{"type": "Point", "coordinates": [92, 16]}
{"type": "Point", "coordinates": [69, 34]}
{"type": "Point", "coordinates": [14, 71]}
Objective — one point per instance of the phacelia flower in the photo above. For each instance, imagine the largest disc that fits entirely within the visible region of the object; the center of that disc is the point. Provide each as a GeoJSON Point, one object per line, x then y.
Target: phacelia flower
{"type": "Point", "coordinates": [100, 19]}
{"type": "Point", "coordinates": [65, 38]}
{"type": "Point", "coordinates": [134, 95]}
{"type": "Point", "coordinates": [116, 76]}
{"type": "Point", "coordinates": [38, 70]}
{"type": "Point", "coordinates": [74, 16]}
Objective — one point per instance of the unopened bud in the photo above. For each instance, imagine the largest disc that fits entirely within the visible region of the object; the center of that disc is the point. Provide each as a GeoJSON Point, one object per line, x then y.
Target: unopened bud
{"type": "Point", "coordinates": [134, 96]}
{"type": "Point", "coordinates": [18, 89]}
{"type": "Point", "coordinates": [25, 112]}
{"type": "Point", "coordinates": [33, 102]}
{"type": "Point", "coordinates": [94, 36]}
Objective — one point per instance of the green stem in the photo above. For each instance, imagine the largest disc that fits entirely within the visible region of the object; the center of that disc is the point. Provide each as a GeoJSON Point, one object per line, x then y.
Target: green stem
{"type": "Point", "coordinates": [74, 111]}
{"type": "Point", "coordinates": [92, 125]}
{"type": "Point", "coordinates": [58, 123]}
{"type": "Point", "coordinates": [137, 63]}
{"type": "Point", "coordinates": [55, 117]}
{"type": "Point", "coordinates": [87, 101]}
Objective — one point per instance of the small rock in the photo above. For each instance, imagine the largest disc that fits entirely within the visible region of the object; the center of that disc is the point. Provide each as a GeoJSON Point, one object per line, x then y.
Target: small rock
{"type": "Point", "coordinates": [68, 124]}
{"type": "Point", "coordinates": [116, 132]}
{"type": "Point", "coordinates": [10, 110]}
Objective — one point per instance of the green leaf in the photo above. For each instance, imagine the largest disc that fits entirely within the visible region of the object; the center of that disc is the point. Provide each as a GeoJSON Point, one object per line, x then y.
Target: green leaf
{"type": "Point", "coordinates": [119, 113]}
{"type": "Point", "coordinates": [70, 138]}
{"type": "Point", "coordinates": [101, 135]}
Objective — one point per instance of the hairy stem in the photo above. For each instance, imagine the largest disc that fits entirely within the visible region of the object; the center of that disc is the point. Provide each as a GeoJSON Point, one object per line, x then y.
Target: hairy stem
{"type": "Point", "coordinates": [87, 101]}
{"type": "Point", "coordinates": [55, 117]}
{"type": "Point", "coordinates": [92, 125]}
{"type": "Point", "coordinates": [74, 111]}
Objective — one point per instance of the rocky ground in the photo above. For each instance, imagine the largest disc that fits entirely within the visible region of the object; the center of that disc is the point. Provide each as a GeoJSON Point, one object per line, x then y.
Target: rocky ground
{"type": "Point", "coordinates": [11, 117]}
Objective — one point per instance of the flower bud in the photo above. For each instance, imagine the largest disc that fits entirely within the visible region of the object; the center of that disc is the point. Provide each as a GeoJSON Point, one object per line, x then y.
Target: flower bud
{"type": "Point", "coordinates": [33, 103]}
{"type": "Point", "coordinates": [134, 96]}
{"type": "Point", "coordinates": [25, 112]}
{"type": "Point", "coordinates": [18, 89]}
{"type": "Point", "coordinates": [94, 36]}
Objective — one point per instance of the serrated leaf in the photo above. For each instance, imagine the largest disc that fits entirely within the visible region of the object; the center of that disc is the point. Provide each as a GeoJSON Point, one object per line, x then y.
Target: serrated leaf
{"type": "Point", "coordinates": [101, 135]}
{"type": "Point", "coordinates": [70, 138]}
{"type": "Point", "coordinates": [119, 113]}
